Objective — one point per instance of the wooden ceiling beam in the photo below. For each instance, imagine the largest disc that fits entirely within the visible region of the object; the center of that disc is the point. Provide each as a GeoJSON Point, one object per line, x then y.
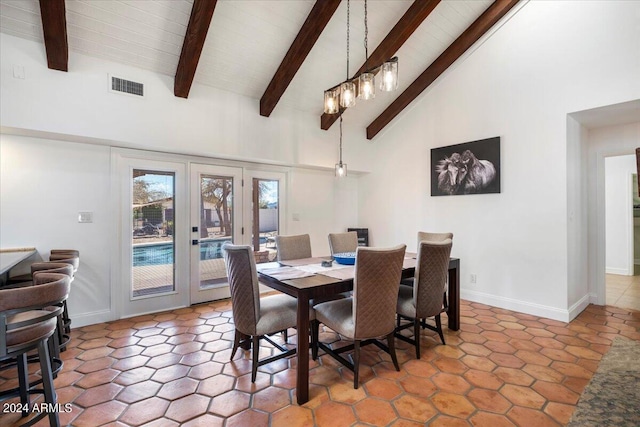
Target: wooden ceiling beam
{"type": "Point", "coordinates": [196, 34]}
{"type": "Point", "coordinates": [54, 27]}
{"type": "Point", "coordinates": [315, 23]}
{"type": "Point", "coordinates": [399, 34]}
{"type": "Point", "coordinates": [471, 35]}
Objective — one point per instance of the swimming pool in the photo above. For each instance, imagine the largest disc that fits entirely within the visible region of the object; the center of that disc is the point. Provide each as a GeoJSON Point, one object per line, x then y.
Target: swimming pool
{"type": "Point", "coordinates": [162, 253]}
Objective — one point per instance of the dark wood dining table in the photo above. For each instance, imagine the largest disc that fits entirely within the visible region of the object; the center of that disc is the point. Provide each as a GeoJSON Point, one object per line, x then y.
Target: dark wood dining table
{"type": "Point", "coordinates": [304, 289]}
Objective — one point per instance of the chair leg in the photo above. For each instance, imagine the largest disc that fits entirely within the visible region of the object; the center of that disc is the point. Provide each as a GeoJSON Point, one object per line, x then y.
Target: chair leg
{"type": "Point", "coordinates": [47, 382]}
{"type": "Point", "coordinates": [315, 332]}
{"type": "Point", "coordinates": [356, 363]}
{"type": "Point", "coordinates": [23, 379]}
{"type": "Point", "coordinates": [416, 336]}
{"type": "Point", "coordinates": [285, 335]}
{"type": "Point", "coordinates": [397, 320]}
{"type": "Point", "coordinates": [254, 363]}
{"type": "Point", "coordinates": [236, 344]}
{"type": "Point", "coordinates": [439, 327]}
{"type": "Point", "coordinates": [392, 350]}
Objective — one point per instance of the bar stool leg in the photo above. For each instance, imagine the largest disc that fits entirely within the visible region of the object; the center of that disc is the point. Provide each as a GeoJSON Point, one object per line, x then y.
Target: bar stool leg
{"type": "Point", "coordinates": [23, 379]}
{"type": "Point", "coordinates": [47, 382]}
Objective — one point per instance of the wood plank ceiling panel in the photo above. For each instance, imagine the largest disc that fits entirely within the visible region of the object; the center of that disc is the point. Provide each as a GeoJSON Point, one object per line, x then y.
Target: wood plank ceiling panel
{"type": "Point", "coordinates": [197, 29]}
{"type": "Point", "coordinates": [399, 34]}
{"type": "Point", "coordinates": [54, 27]}
{"type": "Point", "coordinates": [315, 23]}
{"type": "Point", "coordinates": [471, 35]}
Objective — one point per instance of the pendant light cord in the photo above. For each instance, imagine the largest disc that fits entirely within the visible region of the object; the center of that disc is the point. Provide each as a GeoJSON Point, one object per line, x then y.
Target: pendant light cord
{"type": "Point", "coordinates": [340, 139]}
{"type": "Point", "coordinates": [366, 37]}
{"type": "Point", "coordinates": [348, 12]}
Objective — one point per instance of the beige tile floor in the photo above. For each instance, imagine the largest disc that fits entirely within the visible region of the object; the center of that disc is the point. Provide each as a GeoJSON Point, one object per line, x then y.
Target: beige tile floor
{"type": "Point", "coordinates": [623, 291]}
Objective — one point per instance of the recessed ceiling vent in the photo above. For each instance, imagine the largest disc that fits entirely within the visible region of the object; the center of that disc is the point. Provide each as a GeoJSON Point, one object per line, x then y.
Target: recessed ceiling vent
{"type": "Point", "coordinates": [126, 86]}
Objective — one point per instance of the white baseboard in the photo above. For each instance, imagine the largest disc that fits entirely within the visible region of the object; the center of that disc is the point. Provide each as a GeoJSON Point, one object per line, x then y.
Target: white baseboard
{"type": "Point", "coordinates": [87, 319]}
{"type": "Point", "coordinates": [580, 305]}
{"type": "Point", "coordinates": [525, 307]}
{"type": "Point", "coordinates": [619, 271]}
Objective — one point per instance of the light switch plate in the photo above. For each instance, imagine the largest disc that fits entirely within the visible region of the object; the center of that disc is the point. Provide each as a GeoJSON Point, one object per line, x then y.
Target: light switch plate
{"type": "Point", "coordinates": [85, 217]}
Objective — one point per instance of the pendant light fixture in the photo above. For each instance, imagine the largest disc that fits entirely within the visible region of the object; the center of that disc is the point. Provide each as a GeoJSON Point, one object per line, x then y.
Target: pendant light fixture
{"type": "Point", "coordinates": [362, 85]}
{"type": "Point", "coordinates": [347, 99]}
{"type": "Point", "coordinates": [366, 81]}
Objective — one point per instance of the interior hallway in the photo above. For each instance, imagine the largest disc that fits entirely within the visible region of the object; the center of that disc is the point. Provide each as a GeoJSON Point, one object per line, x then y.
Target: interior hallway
{"type": "Point", "coordinates": [623, 291]}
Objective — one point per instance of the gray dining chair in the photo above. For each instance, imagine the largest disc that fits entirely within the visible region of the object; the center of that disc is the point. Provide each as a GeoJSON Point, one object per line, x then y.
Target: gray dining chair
{"type": "Point", "coordinates": [428, 237]}
{"type": "Point", "coordinates": [370, 313]}
{"type": "Point", "coordinates": [424, 299]}
{"type": "Point", "coordinates": [293, 247]}
{"type": "Point", "coordinates": [343, 242]}
{"type": "Point", "coordinates": [256, 317]}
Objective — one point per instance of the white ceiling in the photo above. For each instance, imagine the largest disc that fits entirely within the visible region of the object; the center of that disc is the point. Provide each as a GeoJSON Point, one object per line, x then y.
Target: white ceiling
{"type": "Point", "coordinates": [247, 41]}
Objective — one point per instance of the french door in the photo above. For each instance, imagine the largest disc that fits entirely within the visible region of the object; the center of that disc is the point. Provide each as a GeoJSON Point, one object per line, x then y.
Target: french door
{"type": "Point", "coordinates": [153, 273]}
{"type": "Point", "coordinates": [175, 216]}
{"type": "Point", "coordinates": [216, 218]}
{"type": "Point", "coordinates": [235, 205]}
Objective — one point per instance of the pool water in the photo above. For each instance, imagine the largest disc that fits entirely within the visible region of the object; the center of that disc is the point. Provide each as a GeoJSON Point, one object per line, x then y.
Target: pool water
{"type": "Point", "coordinates": [162, 253]}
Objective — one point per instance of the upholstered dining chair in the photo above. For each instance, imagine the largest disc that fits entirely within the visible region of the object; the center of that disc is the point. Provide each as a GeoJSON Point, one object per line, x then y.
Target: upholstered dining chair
{"type": "Point", "coordinates": [293, 247]}
{"type": "Point", "coordinates": [424, 299]}
{"type": "Point", "coordinates": [370, 313]}
{"type": "Point", "coordinates": [27, 324]}
{"type": "Point", "coordinates": [429, 237]}
{"type": "Point", "coordinates": [343, 242]}
{"type": "Point", "coordinates": [253, 316]}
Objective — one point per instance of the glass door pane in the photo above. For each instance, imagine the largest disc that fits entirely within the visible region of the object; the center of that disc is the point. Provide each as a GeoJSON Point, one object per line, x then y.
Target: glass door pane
{"type": "Point", "coordinates": [216, 219]}
{"type": "Point", "coordinates": [265, 214]}
{"type": "Point", "coordinates": [216, 227]}
{"type": "Point", "coordinates": [153, 246]}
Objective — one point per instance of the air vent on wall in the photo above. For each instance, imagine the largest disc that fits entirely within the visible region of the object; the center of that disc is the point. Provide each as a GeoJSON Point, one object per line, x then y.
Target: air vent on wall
{"type": "Point", "coordinates": [126, 86]}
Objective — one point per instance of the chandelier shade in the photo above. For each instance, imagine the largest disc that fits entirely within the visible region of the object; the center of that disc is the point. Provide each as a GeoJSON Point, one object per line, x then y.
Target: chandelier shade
{"type": "Point", "coordinates": [331, 101]}
{"type": "Point", "coordinates": [367, 86]}
{"type": "Point", "coordinates": [389, 78]}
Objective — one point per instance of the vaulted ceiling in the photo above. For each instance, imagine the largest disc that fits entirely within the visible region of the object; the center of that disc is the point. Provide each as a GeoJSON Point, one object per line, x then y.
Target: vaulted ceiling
{"type": "Point", "coordinates": [279, 52]}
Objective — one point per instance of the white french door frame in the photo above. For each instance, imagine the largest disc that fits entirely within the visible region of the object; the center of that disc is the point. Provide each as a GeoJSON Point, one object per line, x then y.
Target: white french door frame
{"type": "Point", "coordinates": [123, 161]}
{"type": "Point", "coordinates": [128, 305]}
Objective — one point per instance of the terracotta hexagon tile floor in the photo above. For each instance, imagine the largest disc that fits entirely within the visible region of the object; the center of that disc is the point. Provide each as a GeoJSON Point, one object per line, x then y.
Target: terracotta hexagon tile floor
{"type": "Point", "coordinates": [171, 369]}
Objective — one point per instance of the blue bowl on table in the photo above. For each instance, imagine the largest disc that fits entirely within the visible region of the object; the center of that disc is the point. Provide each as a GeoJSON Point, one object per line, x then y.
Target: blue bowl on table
{"type": "Point", "coordinates": [345, 258]}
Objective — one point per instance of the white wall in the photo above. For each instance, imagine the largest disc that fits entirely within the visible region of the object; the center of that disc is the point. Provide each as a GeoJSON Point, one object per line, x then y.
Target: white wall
{"type": "Point", "coordinates": [550, 59]}
{"type": "Point", "coordinates": [43, 186]}
{"type": "Point", "coordinates": [618, 214]}
{"type": "Point", "coordinates": [49, 106]}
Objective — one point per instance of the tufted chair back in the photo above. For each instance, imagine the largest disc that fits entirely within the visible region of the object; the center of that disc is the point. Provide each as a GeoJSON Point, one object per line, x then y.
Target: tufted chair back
{"type": "Point", "coordinates": [243, 283]}
{"type": "Point", "coordinates": [293, 247]}
{"type": "Point", "coordinates": [375, 290]}
{"type": "Point", "coordinates": [431, 277]}
{"type": "Point", "coordinates": [343, 242]}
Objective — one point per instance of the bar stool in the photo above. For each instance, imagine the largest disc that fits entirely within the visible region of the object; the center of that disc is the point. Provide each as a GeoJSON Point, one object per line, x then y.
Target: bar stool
{"type": "Point", "coordinates": [71, 257]}
{"type": "Point", "coordinates": [26, 325]}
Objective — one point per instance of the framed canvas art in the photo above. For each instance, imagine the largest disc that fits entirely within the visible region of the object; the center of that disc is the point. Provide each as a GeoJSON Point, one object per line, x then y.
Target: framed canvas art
{"type": "Point", "coordinates": [468, 168]}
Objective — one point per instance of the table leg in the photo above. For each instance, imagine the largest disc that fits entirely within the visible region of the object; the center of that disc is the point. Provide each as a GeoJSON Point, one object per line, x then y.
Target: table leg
{"type": "Point", "coordinates": [453, 312]}
{"type": "Point", "coordinates": [302, 382]}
